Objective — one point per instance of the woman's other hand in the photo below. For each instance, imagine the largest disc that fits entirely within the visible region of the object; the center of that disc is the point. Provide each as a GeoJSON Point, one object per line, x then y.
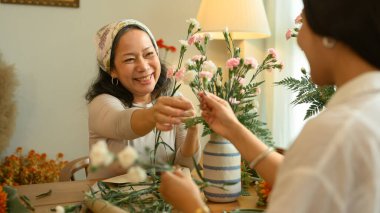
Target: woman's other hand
{"type": "Point", "coordinates": [169, 111]}
{"type": "Point", "coordinates": [180, 191]}
{"type": "Point", "coordinates": [218, 114]}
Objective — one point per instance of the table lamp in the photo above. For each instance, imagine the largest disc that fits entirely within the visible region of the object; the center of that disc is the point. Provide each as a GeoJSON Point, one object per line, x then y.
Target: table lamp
{"type": "Point", "coordinates": [245, 19]}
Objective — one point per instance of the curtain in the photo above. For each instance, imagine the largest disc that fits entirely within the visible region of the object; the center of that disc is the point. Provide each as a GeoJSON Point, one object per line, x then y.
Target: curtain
{"type": "Point", "coordinates": [282, 118]}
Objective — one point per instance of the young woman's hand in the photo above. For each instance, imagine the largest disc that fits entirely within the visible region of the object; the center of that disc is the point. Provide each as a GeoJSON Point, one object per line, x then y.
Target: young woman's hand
{"type": "Point", "coordinates": [180, 191]}
{"type": "Point", "coordinates": [169, 111]}
{"type": "Point", "coordinates": [218, 114]}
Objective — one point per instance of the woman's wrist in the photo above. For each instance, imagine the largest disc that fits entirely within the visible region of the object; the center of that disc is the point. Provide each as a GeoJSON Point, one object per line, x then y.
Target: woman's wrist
{"type": "Point", "coordinates": [236, 130]}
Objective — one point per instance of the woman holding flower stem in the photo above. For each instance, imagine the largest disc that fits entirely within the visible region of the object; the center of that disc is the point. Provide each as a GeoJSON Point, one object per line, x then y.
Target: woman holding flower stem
{"type": "Point", "coordinates": [131, 100]}
{"type": "Point", "coordinates": [334, 164]}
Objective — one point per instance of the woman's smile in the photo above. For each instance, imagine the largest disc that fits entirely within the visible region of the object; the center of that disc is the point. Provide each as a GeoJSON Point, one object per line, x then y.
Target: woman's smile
{"type": "Point", "coordinates": [145, 79]}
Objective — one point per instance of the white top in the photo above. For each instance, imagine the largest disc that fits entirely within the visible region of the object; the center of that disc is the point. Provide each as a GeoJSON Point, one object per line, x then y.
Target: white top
{"type": "Point", "coordinates": [334, 164]}
{"type": "Point", "coordinates": [109, 119]}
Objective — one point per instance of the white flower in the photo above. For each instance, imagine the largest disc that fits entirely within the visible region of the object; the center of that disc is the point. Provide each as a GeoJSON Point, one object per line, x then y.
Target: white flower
{"type": "Point", "coordinates": [194, 22]}
{"type": "Point", "coordinates": [209, 66]}
{"type": "Point", "coordinates": [189, 77]}
{"type": "Point", "coordinates": [59, 209]}
{"type": "Point", "coordinates": [100, 155]}
{"type": "Point", "coordinates": [127, 156]}
{"type": "Point", "coordinates": [233, 101]}
{"type": "Point", "coordinates": [189, 63]}
{"type": "Point", "coordinates": [184, 43]}
{"type": "Point", "coordinates": [136, 174]}
{"type": "Point", "coordinates": [208, 36]}
{"type": "Point", "coordinates": [226, 30]}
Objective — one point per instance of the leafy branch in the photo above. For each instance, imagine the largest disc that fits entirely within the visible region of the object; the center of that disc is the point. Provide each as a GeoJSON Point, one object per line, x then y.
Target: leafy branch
{"type": "Point", "coordinates": [308, 93]}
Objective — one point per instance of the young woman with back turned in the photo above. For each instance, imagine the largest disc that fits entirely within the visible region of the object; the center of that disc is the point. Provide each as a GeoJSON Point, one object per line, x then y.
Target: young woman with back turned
{"type": "Point", "coordinates": [334, 164]}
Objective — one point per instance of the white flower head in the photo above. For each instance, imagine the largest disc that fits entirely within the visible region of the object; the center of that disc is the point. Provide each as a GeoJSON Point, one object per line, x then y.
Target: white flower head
{"type": "Point", "coordinates": [59, 209]}
{"type": "Point", "coordinates": [208, 36]}
{"type": "Point", "coordinates": [127, 157]}
{"type": "Point", "coordinates": [209, 66]}
{"type": "Point", "coordinates": [189, 77]}
{"type": "Point", "coordinates": [226, 29]}
{"type": "Point", "coordinates": [194, 22]}
{"type": "Point", "coordinates": [184, 43]}
{"type": "Point", "coordinates": [136, 174]}
{"type": "Point", "coordinates": [100, 155]}
{"type": "Point", "coordinates": [190, 63]}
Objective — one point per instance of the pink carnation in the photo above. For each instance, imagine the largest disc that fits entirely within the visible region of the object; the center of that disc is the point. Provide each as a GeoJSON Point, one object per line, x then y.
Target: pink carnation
{"type": "Point", "coordinates": [194, 39]}
{"type": "Point", "coordinates": [170, 72]}
{"type": "Point", "coordinates": [205, 74]}
{"type": "Point", "coordinates": [298, 19]}
{"type": "Point", "coordinates": [198, 58]}
{"type": "Point", "coordinates": [241, 80]}
{"type": "Point", "coordinates": [179, 74]}
{"type": "Point", "coordinates": [273, 53]}
{"type": "Point", "coordinates": [251, 61]}
{"type": "Point", "coordinates": [232, 63]}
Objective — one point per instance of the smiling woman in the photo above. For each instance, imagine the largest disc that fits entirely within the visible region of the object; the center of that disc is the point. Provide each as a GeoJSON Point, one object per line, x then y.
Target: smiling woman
{"type": "Point", "coordinates": [61, 3]}
{"type": "Point", "coordinates": [129, 102]}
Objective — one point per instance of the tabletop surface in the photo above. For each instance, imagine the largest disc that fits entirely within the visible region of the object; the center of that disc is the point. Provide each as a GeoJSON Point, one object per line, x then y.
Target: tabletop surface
{"type": "Point", "coordinates": [66, 193]}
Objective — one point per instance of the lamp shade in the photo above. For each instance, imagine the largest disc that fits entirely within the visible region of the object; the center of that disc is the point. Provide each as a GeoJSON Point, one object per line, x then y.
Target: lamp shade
{"type": "Point", "coordinates": [245, 19]}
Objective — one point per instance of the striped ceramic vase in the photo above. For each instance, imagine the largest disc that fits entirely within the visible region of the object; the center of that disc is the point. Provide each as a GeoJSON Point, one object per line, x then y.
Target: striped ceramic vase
{"type": "Point", "coordinates": [221, 164]}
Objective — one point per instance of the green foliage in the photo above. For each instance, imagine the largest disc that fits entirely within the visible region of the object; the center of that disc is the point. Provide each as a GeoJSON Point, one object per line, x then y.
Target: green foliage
{"type": "Point", "coordinates": [308, 93]}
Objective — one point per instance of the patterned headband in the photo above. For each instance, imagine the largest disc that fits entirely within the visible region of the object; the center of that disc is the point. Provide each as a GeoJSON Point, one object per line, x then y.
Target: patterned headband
{"type": "Point", "coordinates": [105, 36]}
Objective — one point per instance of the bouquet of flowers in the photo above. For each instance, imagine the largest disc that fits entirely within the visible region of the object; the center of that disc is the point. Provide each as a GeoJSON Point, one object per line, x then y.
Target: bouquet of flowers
{"type": "Point", "coordinates": [238, 85]}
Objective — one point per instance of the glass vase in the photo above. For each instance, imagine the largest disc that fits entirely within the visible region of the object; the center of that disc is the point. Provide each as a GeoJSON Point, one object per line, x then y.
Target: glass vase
{"type": "Point", "coordinates": [221, 166]}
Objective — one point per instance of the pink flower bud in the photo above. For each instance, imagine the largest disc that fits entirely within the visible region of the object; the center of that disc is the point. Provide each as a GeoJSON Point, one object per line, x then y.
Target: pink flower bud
{"type": "Point", "coordinates": [251, 61]}
{"type": "Point", "coordinates": [288, 34]}
{"type": "Point", "coordinates": [273, 53]}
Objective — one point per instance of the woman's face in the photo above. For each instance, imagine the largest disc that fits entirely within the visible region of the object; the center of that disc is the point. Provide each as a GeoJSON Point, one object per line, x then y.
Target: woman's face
{"type": "Point", "coordinates": [319, 57]}
{"type": "Point", "coordinates": [137, 66]}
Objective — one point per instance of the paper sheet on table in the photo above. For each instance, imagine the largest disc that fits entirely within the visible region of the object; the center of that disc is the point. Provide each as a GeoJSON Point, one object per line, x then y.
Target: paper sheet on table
{"type": "Point", "coordinates": [124, 178]}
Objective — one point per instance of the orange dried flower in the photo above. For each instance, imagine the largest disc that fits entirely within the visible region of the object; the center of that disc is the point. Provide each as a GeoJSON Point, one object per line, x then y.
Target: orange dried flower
{"type": "Point", "coordinates": [33, 168]}
{"type": "Point", "coordinates": [263, 190]}
{"type": "Point", "coordinates": [19, 150]}
{"type": "Point", "coordinates": [3, 200]}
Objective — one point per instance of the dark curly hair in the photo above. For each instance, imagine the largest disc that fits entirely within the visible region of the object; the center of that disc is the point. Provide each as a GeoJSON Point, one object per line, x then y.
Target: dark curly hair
{"type": "Point", "coordinates": [103, 85]}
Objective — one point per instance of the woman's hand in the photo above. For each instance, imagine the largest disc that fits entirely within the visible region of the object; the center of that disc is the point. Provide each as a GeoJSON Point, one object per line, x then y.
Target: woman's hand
{"type": "Point", "coordinates": [169, 111]}
{"type": "Point", "coordinates": [218, 114]}
{"type": "Point", "coordinates": [180, 191]}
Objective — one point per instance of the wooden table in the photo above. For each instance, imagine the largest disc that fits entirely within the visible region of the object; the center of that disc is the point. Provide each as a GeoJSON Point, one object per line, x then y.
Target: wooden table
{"type": "Point", "coordinates": [66, 193]}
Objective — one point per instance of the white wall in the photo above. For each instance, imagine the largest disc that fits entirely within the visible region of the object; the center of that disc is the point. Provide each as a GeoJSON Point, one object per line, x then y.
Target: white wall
{"type": "Point", "coordinates": [53, 51]}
